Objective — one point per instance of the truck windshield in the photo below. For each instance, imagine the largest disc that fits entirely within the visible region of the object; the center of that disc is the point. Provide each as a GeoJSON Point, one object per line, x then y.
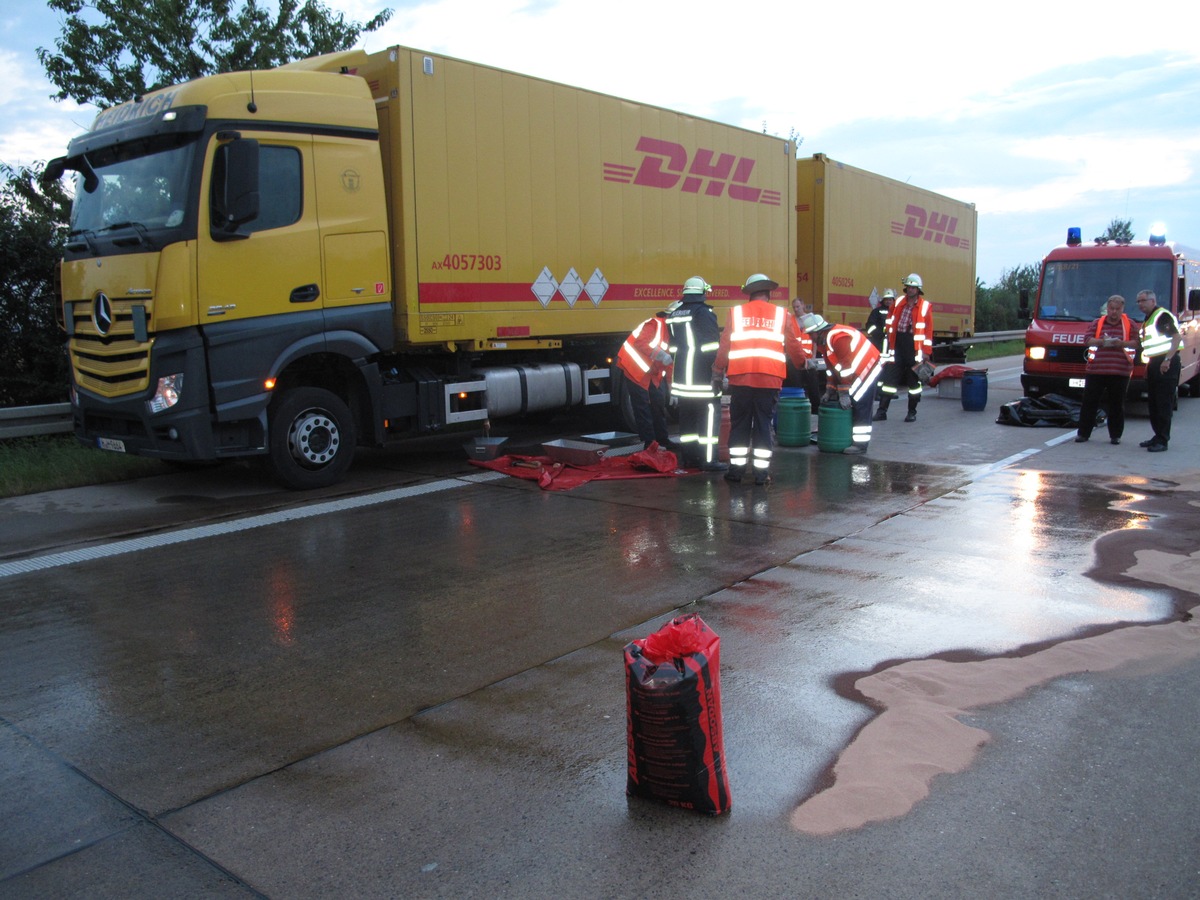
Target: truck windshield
{"type": "Point", "coordinates": [141, 187]}
{"type": "Point", "coordinates": [1078, 289]}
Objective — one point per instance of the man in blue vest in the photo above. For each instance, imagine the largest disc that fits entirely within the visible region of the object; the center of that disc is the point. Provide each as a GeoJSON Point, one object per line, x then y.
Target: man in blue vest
{"type": "Point", "coordinates": [1161, 342]}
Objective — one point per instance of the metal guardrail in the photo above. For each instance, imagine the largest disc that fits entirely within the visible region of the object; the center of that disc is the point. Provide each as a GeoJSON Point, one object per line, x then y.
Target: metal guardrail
{"type": "Point", "coordinates": [993, 337]}
{"type": "Point", "coordinates": [55, 418]}
{"type": "Point", "coordinates": [28, 421]}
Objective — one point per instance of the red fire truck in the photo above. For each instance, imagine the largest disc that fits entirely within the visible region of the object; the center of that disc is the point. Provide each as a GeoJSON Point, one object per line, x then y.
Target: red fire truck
{"type": "Point", "coordinates": [1077, 280]}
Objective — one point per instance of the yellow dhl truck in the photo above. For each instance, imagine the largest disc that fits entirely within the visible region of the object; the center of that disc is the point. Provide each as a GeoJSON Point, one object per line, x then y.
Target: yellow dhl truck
{"type": "Point", "coordinates": [357, 248]}
{"type": "Point", "coordinates": [859, 233]}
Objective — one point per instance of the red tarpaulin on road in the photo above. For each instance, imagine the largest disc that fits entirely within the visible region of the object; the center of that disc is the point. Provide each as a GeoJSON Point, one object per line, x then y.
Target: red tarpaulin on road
{"type": "Point", "coordinates": [556, 476]}
{"type": "Point", "coordinates": [954, 371]}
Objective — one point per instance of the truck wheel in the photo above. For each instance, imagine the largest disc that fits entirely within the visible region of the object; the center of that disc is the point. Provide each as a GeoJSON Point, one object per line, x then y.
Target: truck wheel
{"type": "Point", "coordinates": [312, 439]}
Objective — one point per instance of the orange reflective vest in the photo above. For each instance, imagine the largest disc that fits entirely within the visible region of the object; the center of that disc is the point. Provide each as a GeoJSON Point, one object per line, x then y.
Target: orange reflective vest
{"type": "Point", "coordinates": [1126, 327]}
{"type": "Point", "coordinates": [756, 340]}
{"type": "Point", "coordinates": [636, 358]}
{"type": "Point", "coordinates": [922, 325]}
{"type": "Point", "coordinates": [852, 359]}
{"type": "Point", "coordinates": [806, 341]}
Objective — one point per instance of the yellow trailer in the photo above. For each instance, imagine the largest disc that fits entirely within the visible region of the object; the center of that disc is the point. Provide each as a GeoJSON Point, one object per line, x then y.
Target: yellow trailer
{"type": "Point", "coordinates": [859, 233]}
{"type": "Point", "coordinates": [357, 248]}
{"type": "Point", "coordinates": [524, 210]}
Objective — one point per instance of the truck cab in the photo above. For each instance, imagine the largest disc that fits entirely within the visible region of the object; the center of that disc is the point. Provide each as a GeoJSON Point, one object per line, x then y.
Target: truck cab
{"type": "Point", "coordinates": [1076, 281]}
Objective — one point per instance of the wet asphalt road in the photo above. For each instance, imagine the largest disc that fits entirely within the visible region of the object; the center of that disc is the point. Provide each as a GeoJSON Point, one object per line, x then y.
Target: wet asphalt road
{"type": "Point", "coordinates": [411, 685]}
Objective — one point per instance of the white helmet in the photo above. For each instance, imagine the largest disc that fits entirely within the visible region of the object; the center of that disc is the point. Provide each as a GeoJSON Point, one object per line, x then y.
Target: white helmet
{"type": "Point", "coordinates": [811, 322]}
{"type": "Point", "coordinates": [696, 285]}
{"type": "Point", "coordinates": [889, 294]}
{"type": "Point", "coordinates": [756, 283]}
{"type": "Point", "coordinates": [914, 280]}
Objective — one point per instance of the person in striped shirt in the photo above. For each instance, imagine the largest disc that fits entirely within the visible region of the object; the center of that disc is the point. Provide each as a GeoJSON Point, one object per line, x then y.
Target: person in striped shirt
{"type": "Point", "coordinates": [1110, 352]}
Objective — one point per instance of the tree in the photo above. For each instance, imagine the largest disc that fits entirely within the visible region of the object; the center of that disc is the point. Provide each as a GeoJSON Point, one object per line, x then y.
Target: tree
{"type": "Point", "coordinates": [33, 362]}
{"type": "Point", "coordinates": [108, 52]}
{"type": "Point", "coordinates": [996, 306]}
{"type": "Point", "coordinates": [140, 45]}
{"type": "Point", "coordinates": [1120, 231]}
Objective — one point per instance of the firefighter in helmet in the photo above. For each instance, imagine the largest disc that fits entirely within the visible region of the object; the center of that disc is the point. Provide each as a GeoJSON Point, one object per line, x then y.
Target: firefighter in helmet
{"type": "Point", "coordinates": [695, 335]}
{"type": "Point", "coordinates": [759, 340]}
{"type": "Point", "coordinates": [853, 365]}
{"type": "Point", "coordinates": [876, 327]}
{"type": "Point", "coordinates": [910, 344]}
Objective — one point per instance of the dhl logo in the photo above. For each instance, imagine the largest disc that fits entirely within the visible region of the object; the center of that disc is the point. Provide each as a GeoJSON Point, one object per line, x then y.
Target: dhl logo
{"type": "Point", "coordinates": [665, 165]}
{"type": "Point", "coordinates": [930, 226]}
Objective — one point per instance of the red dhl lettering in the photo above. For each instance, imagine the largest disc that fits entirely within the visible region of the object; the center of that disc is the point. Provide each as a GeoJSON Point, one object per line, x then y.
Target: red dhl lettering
{"type": "Point", "coordinates": [1068, 338]}
{"type": "Point", "coordinates": [665, 165]}
{"type": "Point", "coordinates": [925, 225]}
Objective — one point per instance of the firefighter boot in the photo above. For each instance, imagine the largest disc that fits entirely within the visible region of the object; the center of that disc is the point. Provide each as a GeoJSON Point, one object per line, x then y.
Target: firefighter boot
{"type": "Point", "coordinates": [734, 474]}
{"type": "Point", "coordinates": [881, 413]}
{"type": "Point", "coordinates": [912, 412]}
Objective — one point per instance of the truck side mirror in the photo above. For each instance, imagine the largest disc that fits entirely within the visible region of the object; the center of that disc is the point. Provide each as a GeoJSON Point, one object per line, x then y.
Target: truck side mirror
{"type": "Point", "coordinates": [1023, 313]}
{"type": "Point", "coordinates": [57, 167]}
{"type": "Point", "coordinates": [54, 170]}
{"type": "Point", "coordinates": [234, 197]}
{"type": "Point", "coordinates": [1194, 298]}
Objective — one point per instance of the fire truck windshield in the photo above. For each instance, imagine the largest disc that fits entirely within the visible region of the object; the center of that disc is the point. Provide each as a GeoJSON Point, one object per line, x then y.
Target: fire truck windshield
{"type": "Point", "coordinates": [1078, 289]}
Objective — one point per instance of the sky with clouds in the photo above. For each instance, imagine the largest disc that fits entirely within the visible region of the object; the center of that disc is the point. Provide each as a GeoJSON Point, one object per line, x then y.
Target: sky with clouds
{"type": "Point", "coordinates": [1044, 115]}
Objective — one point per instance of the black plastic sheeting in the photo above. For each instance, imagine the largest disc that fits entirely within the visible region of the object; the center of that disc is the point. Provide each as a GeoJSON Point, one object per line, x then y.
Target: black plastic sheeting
{"type": "Point", "coordinates": [1047, 411]}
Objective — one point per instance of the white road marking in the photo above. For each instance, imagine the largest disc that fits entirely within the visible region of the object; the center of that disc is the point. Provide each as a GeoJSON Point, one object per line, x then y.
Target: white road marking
{"type": "Point", "coordinates": [150, 542]}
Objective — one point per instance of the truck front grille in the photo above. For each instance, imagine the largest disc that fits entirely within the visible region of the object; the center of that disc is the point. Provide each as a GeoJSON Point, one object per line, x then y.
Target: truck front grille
{"type": "Point", "coordinates": [114, 364]}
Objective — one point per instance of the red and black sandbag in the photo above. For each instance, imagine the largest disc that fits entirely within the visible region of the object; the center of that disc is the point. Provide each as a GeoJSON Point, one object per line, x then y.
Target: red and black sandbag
{"type": "Point", "coordinates": [673, 714]}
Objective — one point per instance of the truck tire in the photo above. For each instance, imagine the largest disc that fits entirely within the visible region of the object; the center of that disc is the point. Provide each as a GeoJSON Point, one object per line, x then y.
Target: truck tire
{"type": "Point", "coordinates": [312, 439]}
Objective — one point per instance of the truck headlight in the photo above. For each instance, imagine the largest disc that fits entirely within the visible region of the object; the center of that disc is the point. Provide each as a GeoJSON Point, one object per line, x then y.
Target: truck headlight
{"type": "Point", "coordinates": [1036, 352]}
{"type": "Point", "coordinates": [167, 393]}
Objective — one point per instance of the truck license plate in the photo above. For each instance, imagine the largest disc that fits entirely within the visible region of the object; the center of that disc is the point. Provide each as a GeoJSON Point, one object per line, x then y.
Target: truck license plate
{"type": "Point", "coordinates": [1075, 382]}
{"type": "Point", "coordinates": [110, 444]}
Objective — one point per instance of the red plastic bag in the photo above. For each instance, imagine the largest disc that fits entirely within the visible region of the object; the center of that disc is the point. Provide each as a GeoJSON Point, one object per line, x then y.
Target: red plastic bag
{"type": "Point", "coordinates": [655, 459]}
{"type": "Point", "coordinates": [673, 717]}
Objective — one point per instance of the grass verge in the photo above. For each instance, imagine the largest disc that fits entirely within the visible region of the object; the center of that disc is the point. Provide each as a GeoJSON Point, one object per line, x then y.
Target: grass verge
{"type": "Point", "coordinates": [991, 351]}
{"type": "Point", "coordinates": [31, 465]}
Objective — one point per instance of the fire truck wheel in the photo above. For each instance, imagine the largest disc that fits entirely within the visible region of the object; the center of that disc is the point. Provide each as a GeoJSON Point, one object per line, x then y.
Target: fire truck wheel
{"type": "Point", "coordinates": [312, 438]}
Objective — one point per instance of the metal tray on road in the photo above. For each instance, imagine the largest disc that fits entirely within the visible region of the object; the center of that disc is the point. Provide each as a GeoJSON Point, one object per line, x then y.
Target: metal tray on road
{"type": "Point", "coordinates": [484, 447]}
{"type": "Point", "coordinates": [575, 453]}
{"type": "Point", "coordinates": [611, 438]}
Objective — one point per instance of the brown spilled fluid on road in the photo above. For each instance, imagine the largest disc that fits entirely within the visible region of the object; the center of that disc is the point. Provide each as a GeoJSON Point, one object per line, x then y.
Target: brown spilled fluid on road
{"type": "Point", "coordinates": [887, 769]}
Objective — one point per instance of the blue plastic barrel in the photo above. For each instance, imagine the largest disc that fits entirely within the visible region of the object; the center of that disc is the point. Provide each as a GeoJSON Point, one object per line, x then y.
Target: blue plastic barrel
{"type": "Point", "coordinates": [974, 390]}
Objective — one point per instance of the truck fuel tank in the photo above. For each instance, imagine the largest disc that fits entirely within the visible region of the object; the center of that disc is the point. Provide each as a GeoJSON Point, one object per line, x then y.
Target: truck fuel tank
{"type": "Point", "coordinates": [512, 390]}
